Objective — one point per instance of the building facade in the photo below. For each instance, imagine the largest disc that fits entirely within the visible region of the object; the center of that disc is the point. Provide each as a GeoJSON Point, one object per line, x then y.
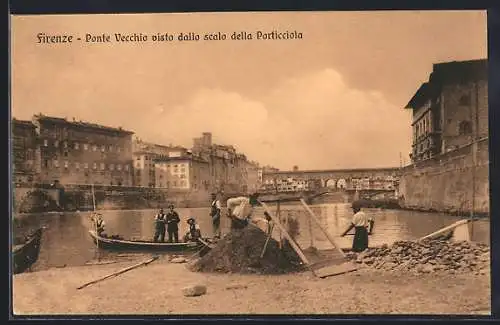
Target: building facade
{"type": "Point", "coordinates": [25, 162]}
{"type": "Point", "coordinates": [182, 173]}
{"type": "Point", "coordinates": [76, 152]}
{"type": "Point", "coordinates": [230, 171]}
{"type": "Point", "coordinates": [144, 156]}
{"type": "Point", "coordinates": [451, 109]}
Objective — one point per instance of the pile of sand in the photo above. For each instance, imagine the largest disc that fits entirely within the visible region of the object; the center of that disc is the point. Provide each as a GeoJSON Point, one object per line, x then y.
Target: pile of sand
{"type": "Point", "coordinates": [240, 250]}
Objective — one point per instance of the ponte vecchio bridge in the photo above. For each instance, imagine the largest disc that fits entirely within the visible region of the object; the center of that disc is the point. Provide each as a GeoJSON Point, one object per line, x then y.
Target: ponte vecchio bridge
{"type": "Point", "coordinates": [371, 180]}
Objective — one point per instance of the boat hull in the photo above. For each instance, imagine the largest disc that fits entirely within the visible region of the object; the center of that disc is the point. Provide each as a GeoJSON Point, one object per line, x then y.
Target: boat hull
{"type": "Point", "coordinates": [24, 256]}
{"type": "Point", "coordinates": [119, 244]}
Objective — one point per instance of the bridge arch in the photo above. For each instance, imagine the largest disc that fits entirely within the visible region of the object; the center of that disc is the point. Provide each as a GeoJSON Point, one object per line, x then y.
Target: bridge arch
{"type": "Point", "coordinates": [341, 183]}
{"type": "Point", "coordinates": [330, 183]}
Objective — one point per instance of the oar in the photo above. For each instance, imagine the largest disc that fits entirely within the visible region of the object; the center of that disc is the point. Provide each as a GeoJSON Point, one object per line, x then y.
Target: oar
{"type": "Point", "coordinates": [154, 258]}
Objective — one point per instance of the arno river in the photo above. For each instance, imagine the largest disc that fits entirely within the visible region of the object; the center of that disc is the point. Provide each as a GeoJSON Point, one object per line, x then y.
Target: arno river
{"type": "Point", "coordinates": [66, 240]}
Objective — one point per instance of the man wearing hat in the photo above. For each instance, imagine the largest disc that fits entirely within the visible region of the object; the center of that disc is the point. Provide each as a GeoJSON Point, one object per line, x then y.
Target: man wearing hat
{"type": "Point", "coordinates": [240, 211]}
{"type": "Point", "coordinates": [362, 225]}
{"type": "Point", "coordinates": [173, 224]}
{"type": "Point", "coordinates": [160, 219]}
{"type": "Point", "coordinates": [194, 231]}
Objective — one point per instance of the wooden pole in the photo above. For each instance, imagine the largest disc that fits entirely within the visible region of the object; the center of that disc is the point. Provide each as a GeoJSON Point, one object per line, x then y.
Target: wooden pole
{"type": "Point", "coordinates": [95, 224]}
{"type": "Point", "coordinates": [287, 236]}
{"type": "Point", "coordinates": [445, 229]}
{"type": "Point", "coordinates": [267, 241]}
{"type": "Point", "coordinates": [310, 231]}
{"type": "Point", "coordinates": [278, 215]}
{"type": "Point", "coordinates": [118, 272]}
{"type": "Point", "coordinates": [316, 220]}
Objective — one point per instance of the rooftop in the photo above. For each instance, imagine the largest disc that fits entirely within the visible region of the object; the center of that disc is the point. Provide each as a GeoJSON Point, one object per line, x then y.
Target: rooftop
{"type": "Point", "coordinates": [81, 124]}
{"type": "Point", "coordinates": [22, 123]}
{"type": "Point", "coordinates": [449, 72]}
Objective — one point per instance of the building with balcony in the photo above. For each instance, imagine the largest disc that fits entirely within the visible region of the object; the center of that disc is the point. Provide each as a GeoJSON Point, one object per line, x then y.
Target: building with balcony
{"type": "Point", "coordinates": [25, 161]}
{"type": "Point", "coordinates": [451, 109]}
{"type": "Point", "coordinates": [76, 152]}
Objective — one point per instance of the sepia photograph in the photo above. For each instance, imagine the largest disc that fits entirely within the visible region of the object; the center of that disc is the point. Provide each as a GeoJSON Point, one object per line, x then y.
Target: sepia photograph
{"type": "Point", "coordinates": [250, 163]}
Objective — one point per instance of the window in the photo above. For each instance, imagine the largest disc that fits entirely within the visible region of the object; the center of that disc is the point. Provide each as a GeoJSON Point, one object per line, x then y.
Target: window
{"type": "Point", "coordinates": [46, 163]}
{"type": "Point", "coordinates": [111, 167]}
{"type": "Point", "coordinates": [85, 146]}
{"type": "Point", "coordinates": [95, 166]}
{"type": "Point", "coordinates": [103, 166]}
{"type": "Point", "coordinates": [45, 143]}
{"type": "Point", "coordinates": [103, 148]}
{"type": "Point", "coordinates": [175, 183]}
{"type": "Point", "coordinates": [77, 146]}
{"type": "Point", "coordinates": [86, 165]}
{"type": "Point", "coordinates": [56, 163]}
{"type": "Point", "coordinates": [66, 164]}
{"type": "Point", "coordinates": [110, 148]}
{"type": "Point", "coordinates": [126, 167]}
{"type": "Point", "coordinates": [94, 148]}
{"type": "Point", "coordinates": [464, 100]}
{"type": "Point", "coordinates": [77, 165]}
{"type": "Point", "coordinates": [118, 149]}
{"type": "Point", "coordinates": [65, 144]}
{"type": "Point", "coordinates": [464, 128]}
{"type": "Point", "coordinates": [56, 143]}
{"type": "Point", "coordinates": [119, 167]}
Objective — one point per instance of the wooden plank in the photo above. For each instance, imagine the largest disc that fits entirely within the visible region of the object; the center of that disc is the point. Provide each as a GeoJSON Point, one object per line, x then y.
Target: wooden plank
{"type": "Point", "coordinates": [286, 234]}
{"type": "Point", "coordinates": [335, 270]}
{"type": "Point", "coordinates": [316, 219]}
{"type": "Point", "coordinates": [118, 272]}
{"type": "Point", "coordinates": [445, 229]}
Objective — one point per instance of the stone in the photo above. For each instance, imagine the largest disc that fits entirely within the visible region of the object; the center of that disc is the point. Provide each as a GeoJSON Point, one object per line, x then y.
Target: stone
{"type": "Point", "coordinates": [236, 286]}
{"type": "Point", "coordinates": [178, 260]}
{"type": "Point", "coordinates": [369, 260]}
{"type": "Point", "coordinates": [194, 290]}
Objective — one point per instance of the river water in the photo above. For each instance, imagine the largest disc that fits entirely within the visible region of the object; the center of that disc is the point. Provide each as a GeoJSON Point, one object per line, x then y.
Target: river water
{"type": "Point", "coordinates": [66, 241]}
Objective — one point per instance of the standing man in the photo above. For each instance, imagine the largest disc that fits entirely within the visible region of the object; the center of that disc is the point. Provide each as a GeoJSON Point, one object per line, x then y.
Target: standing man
{"type": "Point", "coordinates": [215, 210]}
{"type": "Point", "coordinates": [173, 224]}
{"type": "Point", "coordinates": [240, 210]}
{"type": "Point", "coordinates": [362, 225]}
{"type": "Point", "coordinates": [160, 220]}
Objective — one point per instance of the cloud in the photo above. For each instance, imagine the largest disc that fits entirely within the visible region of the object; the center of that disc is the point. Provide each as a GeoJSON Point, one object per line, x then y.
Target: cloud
{"type": "Point", "coordinates": [313, 121]}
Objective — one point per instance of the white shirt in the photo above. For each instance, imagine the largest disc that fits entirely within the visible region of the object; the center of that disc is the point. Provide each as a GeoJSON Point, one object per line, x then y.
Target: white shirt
{"type": "Point", "coordinates": [240, 207]}
{"type": "Point", "coordinates": [217, 204]}
{"type": "Point", "coordinates": [360, 219]}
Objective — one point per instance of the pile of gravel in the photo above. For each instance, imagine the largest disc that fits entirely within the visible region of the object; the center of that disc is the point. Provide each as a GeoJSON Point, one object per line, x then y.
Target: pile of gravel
{"type": "Point", "coordinates": [239, 252]}
{"type": "Point", "coordinates": [428, 256]}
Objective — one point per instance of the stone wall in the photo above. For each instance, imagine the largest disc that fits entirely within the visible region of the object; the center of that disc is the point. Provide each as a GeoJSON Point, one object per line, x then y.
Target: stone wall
{"type": "Point", "coordinates": [80, 197]}
{"type": "Point", "coordinates": [450, 182]}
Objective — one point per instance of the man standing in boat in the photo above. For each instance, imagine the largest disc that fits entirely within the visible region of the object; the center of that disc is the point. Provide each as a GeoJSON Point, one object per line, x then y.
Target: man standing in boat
{"type": "Point", "coordinates": [215, 210]}
{"type": "Point", "coordinates": [362, 225]}
{"type": "Point", "coordinates": [173, 224]}
{"type": "Point", "coordinates": [160, 220]}
{"type": "Point", "coordinates": [240, 211]}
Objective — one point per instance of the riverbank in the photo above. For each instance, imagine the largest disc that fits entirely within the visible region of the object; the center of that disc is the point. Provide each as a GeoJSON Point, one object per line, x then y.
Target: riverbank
{"type": "Point", "coordinates": [157, 289]}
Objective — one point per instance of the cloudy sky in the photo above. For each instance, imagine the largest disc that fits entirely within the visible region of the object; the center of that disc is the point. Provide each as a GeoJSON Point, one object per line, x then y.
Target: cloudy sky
{"type": "Point", "coordinates": [333, 99]}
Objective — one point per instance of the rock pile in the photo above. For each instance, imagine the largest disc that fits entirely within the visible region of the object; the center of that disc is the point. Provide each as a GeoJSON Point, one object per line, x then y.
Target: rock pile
{"type": "Point", "coordinates": [428, 256]}
{"type": "Point", "coordinates": [240, 250]}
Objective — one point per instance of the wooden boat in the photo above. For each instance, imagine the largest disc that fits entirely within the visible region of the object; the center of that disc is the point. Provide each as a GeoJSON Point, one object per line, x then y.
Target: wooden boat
{"type": "Point", "coordinates": [26, 254]}
{"type": "Point", "coordinates": [122, 244]}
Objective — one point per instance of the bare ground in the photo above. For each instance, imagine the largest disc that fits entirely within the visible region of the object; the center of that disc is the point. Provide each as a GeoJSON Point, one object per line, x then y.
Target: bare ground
{"type": "Point", "coordinates": [156, 289]}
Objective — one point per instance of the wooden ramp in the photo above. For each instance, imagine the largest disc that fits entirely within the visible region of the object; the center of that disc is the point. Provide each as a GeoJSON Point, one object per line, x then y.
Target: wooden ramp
{"type": "Point", "coordinates": [322, 263]}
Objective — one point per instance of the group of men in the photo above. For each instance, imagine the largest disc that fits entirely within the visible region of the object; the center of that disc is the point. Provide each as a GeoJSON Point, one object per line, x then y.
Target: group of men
{"type": "Point", "coordinates": [240, 212]}
{"type": "Point", "coordinates": [170, 223]}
